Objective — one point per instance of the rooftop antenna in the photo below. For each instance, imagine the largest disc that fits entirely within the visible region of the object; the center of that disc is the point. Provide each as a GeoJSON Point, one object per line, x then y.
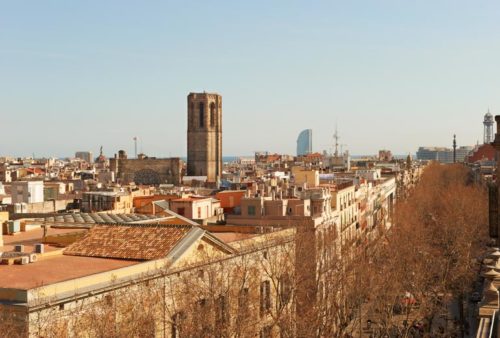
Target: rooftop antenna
{"type": "Point", "coordinates": [336, 138]}
{"type": "Point", "coordinates": [454, 148]}
{"type": "Point", "coordinates": [135, 146]}
{"type": "Point", "coordinates": [342, 148]}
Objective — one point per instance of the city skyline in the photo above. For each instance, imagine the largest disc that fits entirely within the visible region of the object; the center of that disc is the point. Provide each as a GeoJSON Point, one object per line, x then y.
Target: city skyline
{"type": "Point", "coordinates": [392, 76]}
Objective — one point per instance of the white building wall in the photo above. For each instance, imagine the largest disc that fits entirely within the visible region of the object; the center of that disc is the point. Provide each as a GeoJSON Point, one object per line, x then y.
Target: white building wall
{"type": "Point", "coordinates": [27, 192]}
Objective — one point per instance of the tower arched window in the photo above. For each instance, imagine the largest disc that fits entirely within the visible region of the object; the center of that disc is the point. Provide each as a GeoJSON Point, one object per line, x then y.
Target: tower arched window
{"type": "Point", "coordinates": [212, 114]}
{"type": "Point", "coordinates": [191, 113]}
{"type": "Point", "coordinates": [202, 115]}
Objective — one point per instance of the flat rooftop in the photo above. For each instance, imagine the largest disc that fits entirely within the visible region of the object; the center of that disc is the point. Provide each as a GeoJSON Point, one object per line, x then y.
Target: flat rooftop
{"type": "Point", "coordinates": [31, 237]}
{"type": "Point", "coordinates": [53, 266]}
{"type": "Point", "coordinates": [228, 237]}
{"type": "Point", "coordinates": [56, 269]}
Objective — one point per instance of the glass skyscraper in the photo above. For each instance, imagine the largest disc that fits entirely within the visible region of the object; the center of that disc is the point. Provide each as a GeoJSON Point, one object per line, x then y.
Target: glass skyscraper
{"type": "Point", "coordinates": [304, 142]}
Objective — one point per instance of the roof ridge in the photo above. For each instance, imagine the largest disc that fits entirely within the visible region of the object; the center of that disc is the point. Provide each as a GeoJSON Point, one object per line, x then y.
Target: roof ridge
{"type": "Point", "coordinates": [145, 225]}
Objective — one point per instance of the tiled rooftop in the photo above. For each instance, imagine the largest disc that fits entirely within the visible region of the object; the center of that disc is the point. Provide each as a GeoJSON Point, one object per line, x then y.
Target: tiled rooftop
{"type": "Point", "coordinates": [92, 218]}
{"type": "Point", "coordinates": [191, 199]}
{"type": "Point", "coordinates": [128, 242]}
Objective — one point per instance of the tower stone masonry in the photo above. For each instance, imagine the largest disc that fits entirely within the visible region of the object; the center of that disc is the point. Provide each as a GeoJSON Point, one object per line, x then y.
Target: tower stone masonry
{"type": "Point", "coordinates": [204, 135]}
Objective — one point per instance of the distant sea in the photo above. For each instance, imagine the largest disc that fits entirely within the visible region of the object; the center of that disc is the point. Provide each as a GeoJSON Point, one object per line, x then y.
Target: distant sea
{"type": "Point", "coordinates": [397, 157]}
{"type": "Point", "coordinates": [226, 159]}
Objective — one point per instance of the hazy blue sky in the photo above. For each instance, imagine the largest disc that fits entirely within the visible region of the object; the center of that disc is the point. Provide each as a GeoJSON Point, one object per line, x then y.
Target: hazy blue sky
{"type": "Point", "coordinates": [75, 75]}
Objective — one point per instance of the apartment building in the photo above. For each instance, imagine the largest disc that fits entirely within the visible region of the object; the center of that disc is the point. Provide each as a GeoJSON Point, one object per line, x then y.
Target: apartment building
{"type": "Point", "coordinates": [27, 192]}
{"type": "Point", "coordinates": [199, 209]}
{"type": "Point", "coordinates": [161, 277]}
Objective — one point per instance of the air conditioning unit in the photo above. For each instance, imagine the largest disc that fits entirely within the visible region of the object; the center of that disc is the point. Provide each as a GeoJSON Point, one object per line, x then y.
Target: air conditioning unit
{"type": "Point", "coordinates": [32, 257]}
{"type": "Point", "coordinates": [22, 260]}
{"type": "Point", "coordinates": [39, 248]}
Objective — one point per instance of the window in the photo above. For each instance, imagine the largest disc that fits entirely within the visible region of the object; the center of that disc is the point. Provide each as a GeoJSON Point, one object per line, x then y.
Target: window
{"type": "Point", "coordinates": [221, 315]}
{"type": "Point", "coordinates": [265, 297]}
{"type": "Point", "coordinates": [176, 324]}
{"type": "Point", "coordinates": [266, 332]}
{"type": "Point", "coordinates": [199, 212]}
{"type": "Point", "coordinates": [201, 314]}
{"type": "Point", "coordinates": [180, 211]}
{"type": "Point", "coordinates": [285, 289]}
{"type": "Point", "coordinates": [212, 114]}
{"type": "Point", "coordinates": [202, 115]}
{"type": "Point", "coordinates": [243, 299]}
{"type": "Point", "coordinates": [251, 210]}
{"type": "Point", "coordinates": [109, 300]}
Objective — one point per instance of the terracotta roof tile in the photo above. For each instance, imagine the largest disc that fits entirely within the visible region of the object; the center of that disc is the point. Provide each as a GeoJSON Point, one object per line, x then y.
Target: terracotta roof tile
{"type": "Point", "coordinates": [128, 242]}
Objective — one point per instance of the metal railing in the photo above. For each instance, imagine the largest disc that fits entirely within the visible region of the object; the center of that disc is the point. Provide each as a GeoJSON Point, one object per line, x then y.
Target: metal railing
{"type": "Point", "coordinates": [492, 324]}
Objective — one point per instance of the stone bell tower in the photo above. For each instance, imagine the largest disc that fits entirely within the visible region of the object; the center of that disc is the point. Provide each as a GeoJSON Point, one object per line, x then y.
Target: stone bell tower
{"type": "Point", "coordinates": [204, 135]}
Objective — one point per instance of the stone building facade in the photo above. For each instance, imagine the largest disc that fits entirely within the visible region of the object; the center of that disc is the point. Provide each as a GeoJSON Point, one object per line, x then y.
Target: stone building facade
{"type": "Point", "coordinates": [148, 171]}
{"type": "Point", "coordinates": [204, 135]}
